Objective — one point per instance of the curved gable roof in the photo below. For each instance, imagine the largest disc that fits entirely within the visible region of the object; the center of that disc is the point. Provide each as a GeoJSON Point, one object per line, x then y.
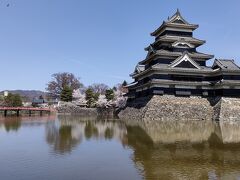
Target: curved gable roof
{"type": "Point", "coordinates": [184, 58]}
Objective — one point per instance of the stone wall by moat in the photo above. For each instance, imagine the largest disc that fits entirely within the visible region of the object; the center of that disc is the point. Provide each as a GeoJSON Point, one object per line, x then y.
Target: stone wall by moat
{"type": "Point", "coordinates": [70, 108]}
{"type": "Point", "coordinates": [159, 108]}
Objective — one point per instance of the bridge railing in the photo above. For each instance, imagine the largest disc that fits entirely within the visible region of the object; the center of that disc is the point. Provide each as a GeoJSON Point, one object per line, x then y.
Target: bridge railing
{"type": "Point", "coordinates": [25, 108]}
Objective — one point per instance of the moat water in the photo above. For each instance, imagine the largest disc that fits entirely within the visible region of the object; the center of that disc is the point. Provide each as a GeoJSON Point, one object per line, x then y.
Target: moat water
{"type": "Point", "coordinates": [70, 147]}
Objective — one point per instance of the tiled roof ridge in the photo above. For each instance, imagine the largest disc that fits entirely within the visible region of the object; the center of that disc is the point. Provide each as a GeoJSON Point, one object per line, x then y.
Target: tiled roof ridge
{"type": "Point", "coordinates": [226, 60]}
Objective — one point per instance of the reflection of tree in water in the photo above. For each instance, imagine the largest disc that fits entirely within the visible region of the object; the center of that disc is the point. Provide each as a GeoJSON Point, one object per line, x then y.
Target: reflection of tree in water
{"type": "Point", "coordinates": [64, 137]}
{"type": "Point", "coordinates": [61, 138]}
{"type": "Point", "coordinates": [65, 142]}
{"type": "Point", "coordinates": [90, 130]}
{"type": "Point", "coordinates": [109, 133]}
{"type": "Point", "coordinates": [99, 129]}
{"type": "Point", "coordinates": [12, 125]}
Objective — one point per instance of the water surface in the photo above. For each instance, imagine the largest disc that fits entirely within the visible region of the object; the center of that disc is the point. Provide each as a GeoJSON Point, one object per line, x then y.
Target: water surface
{"type": "Point", "coordinates": [70, 147]}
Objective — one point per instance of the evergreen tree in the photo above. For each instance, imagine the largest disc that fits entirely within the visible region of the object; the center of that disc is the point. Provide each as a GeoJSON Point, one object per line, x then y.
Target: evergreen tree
{"type": "Point", "coordinates": [17, 100]}
{"type": "Point", "coordinates": [90, 97]}
{"type": "Point", "coordinates": [13, 100]}
{"type": "Point", "coordinates": [1, 98]}
{"type": "Point", "coordinates": [115, 88]}
{"type": "Point", "coordinates": [109, 94]}
{"type": "Point", "coordinates": [66, 94]}
{"type": "Point", "coordinates": [124, 83]}
{"type": "Point", "coordinates": [96, 96]}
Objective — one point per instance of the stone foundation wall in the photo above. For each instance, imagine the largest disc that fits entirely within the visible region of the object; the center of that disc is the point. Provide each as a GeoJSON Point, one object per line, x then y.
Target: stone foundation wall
{"type": "Point", "coordinates": [159, 108]}
{"type": "Point", "coordinates": [228, 110]}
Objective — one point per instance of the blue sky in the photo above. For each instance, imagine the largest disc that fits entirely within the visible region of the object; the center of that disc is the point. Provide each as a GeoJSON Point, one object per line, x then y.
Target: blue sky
{"type": "Point", "coordinates": [100, 40]}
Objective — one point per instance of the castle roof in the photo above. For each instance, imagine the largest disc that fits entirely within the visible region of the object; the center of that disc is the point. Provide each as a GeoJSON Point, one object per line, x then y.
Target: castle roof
{"type": "Point", "coordinates": [176, 21]}
{"type": "Point", "coordinates": [167, 53]}
{"type": "Point", "coordinates": [225, 64]}
{"type": "Point", "coordinates": [191, 54]}
{"type": "Point", "coordinates": [171, 39]}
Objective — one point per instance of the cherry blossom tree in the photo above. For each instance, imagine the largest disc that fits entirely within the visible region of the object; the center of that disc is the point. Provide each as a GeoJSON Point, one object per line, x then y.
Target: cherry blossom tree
{"type": "Point", "coordinates": [79, 97]}
{"type": "Point", "coordinates": [102, 101]}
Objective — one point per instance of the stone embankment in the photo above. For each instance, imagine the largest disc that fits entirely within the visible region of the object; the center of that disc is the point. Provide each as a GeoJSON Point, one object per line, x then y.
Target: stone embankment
{"type": "Point", "coordinates": [227, 110]}
{"type": "Point", "coordinates": [71, 108]}
{"type": "Point", "coordinates": [159, 108]}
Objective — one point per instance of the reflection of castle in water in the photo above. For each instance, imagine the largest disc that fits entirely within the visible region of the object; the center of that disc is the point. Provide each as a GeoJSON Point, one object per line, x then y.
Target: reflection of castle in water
{"type": "Point", "coordinates": [180, 150]}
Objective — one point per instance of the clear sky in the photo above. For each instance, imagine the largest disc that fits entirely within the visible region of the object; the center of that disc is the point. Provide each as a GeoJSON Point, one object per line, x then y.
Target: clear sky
{"type": "Point", "coordinates": [100, 40]}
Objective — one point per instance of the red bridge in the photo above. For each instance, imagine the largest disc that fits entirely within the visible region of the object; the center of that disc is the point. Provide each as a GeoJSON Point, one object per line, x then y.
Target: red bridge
{"type": "Point", "coordinates": [29, 109]}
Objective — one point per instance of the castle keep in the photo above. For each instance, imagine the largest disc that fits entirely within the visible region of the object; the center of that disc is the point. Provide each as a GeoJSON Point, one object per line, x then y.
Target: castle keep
{"type": "Point", "coordinates": [173, 66]}
{"type": "Point", "coordinates": [174, 82]}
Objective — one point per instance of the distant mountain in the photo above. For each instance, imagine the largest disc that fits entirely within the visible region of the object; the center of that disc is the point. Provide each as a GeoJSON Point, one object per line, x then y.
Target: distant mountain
{"type": "Point", "coordinates": [27, 95]}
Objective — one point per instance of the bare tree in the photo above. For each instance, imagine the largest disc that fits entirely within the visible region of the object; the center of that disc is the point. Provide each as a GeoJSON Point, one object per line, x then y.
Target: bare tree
{"type": "Point", "coordinates": [60, 80]}
{"type": "Point", "coordinates": [99, 88]}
